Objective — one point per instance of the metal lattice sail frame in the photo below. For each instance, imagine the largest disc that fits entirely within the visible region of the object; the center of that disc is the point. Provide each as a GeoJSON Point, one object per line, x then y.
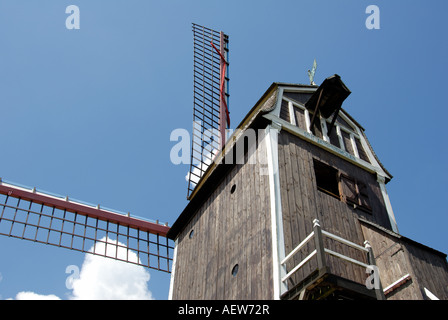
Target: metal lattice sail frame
{"type": "Point", "coordinates": [38, 216]}
{"type": "Point", "coordinates": [210, 101]}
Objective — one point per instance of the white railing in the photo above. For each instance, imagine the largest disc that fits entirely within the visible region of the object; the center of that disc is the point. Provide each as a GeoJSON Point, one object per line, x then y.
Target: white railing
{"type": "Point", "coordinates": [317, 234]}
{"type": "Point", "coordinates": [293, 252]}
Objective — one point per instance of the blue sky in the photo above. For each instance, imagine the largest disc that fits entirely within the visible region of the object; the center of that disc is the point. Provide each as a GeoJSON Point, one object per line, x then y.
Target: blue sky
{"type": "Point", "coordinates": [88, 113]}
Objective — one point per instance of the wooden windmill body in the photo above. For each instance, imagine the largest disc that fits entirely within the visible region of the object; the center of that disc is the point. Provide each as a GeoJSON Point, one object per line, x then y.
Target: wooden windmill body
{"type": "Point", "coordinates": [292, 205]}
{"type": "Point", "coordinates": [303, 214]}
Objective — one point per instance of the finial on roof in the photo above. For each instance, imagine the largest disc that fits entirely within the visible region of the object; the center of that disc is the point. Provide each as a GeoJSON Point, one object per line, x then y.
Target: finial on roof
{"type": "Point", "coordinates": [312, 72]}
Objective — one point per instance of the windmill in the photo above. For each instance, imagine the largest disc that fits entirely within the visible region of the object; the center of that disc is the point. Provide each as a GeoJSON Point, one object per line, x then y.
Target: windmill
{"type": "Point", "coordinates": [307, 220]}
{"type": "Point", "coordinates": [32, 214]}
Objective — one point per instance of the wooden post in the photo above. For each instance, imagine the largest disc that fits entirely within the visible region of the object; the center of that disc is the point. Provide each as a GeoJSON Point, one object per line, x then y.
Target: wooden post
{"type": "Point", "coordinates": [315, 110]}
{"type": "Point", "coordinates": [371, 259]}
{"type": "Point", "coordinates": [333, 120]}
{"type": "Point", "coordinates": [222, 104]}
{"type": "Point", "coordinates": [320, 250]}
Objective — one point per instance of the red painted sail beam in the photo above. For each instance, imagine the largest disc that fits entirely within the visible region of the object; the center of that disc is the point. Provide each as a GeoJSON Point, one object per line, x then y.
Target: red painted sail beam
{"type": "Point", "coordinates": [81, 209]}
{"type": "Point", "coordinates": [221, 87]}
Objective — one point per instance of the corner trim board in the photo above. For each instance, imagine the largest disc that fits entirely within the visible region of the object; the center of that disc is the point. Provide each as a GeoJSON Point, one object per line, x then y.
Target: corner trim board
{"type": "Point", "coordinates": [278, 243]}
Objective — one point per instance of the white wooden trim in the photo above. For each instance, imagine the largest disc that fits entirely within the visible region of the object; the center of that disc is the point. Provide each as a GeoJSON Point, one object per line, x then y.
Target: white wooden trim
{"type": "Point", "coordinates": [278, 244]}
{"type": "Point", "coordinates": [173, 272]}
{"type": "Point", "coordinates": [292, 116]}
{"type": "Point", "coordinates": [340, 138]}
{"type": "Point", "coordinates": [429, 294]}
{"type": "Point", "coordinates": [295, 89]}
{"type": "Point", "coordinates": [299, 265]}
{"type": "Point", "coordinates": [369, 152]}
{"type": "Point", "coordinates": [307, 121]}
{"type": "Point", "coordinates": [347, 119]}
{"type": "Point", "coordinates": [366, 148]}
{"type": "Point", "coordinates": [324, 145]}
{"type": "Point", "coordinates": [278, 103]}
{"type": "Point", "coordinates": [381, 181]}
{"type": "Point", "coordinates": [341, 256]}
{"type": "Point", "coordinates": [323, 124]}
{"type": "Point", "coordinates": [354, 131]}
{"type": "Point", "coordinates": [354, 146]}
{"type": "Point", "coordinates": [294, 103]}
{"type": "Point", "coordinates": [344, 241]}
{"type": "Point", "coordinates": [296, 249]}
{"type": "Point", "coordinates": [353, 127]}
{"type": "Point", "coordinates": [405, 277]}
{"type": "Point", "coordinates": [348, 130]}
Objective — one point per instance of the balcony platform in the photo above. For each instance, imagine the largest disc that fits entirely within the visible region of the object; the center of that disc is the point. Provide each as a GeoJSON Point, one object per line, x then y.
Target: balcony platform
{"type": "Point", "coordinates": [324, 285]}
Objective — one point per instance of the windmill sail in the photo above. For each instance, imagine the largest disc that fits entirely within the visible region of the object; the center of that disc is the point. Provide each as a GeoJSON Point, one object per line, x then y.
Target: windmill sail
{"type": "Point", "coordinates": [210, 102]}
{"type": "Point", "coordinates": [38, 216]}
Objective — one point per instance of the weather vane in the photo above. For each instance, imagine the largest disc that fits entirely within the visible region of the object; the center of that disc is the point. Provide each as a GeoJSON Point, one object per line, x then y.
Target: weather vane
{"type": "Point", "coordinates": [312, 72]}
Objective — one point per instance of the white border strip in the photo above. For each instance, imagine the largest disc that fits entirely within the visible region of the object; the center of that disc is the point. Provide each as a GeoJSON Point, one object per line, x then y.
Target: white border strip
{"type": "Point", "coordinates": [173, 272]}
{"type": "Point", "coordinates": [278, 244]}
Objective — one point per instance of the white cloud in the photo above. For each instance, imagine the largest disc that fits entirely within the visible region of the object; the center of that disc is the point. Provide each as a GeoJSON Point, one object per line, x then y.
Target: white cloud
{"type": "Point", "coordinates": [103, 278]}
{"type": "Point", "coordinates": [28, 295]}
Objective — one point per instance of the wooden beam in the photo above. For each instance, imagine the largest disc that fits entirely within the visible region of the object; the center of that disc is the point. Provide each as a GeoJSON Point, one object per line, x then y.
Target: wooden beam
{"type": "Point", "coordinates": [315, 110]}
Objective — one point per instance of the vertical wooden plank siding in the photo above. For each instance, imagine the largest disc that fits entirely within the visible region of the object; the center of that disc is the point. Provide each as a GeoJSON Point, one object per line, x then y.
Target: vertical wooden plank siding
{"type": "Point", "coordinates": [302, 202]}
{"type": "Point", "coordinates": [235, 227]}
{"type": "Point", "coordinates": [431, 271]}
{"type": "Point", "coordinates": [229, 229]}
{"type": "Point", "coordinates": [397, 256]}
